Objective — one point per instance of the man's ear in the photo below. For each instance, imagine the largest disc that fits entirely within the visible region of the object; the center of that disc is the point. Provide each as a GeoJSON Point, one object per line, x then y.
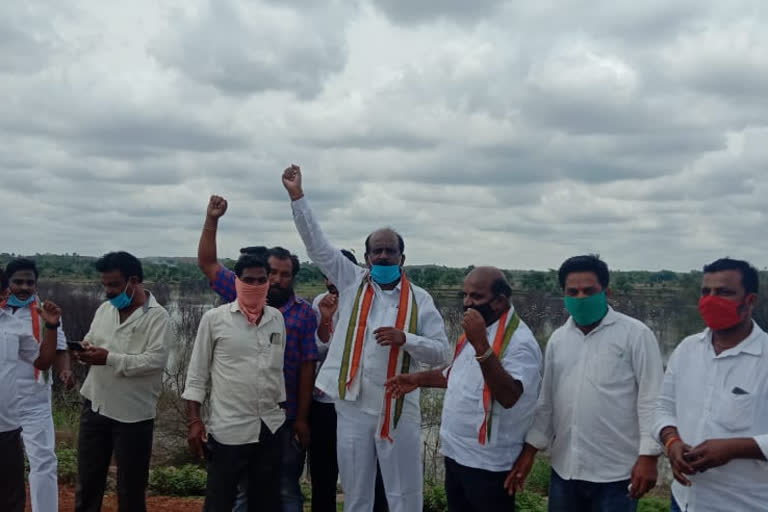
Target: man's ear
{"type": "Point", "coordinates": [402, 261]}
{"type": "Point", "coordinates": [608, 292]}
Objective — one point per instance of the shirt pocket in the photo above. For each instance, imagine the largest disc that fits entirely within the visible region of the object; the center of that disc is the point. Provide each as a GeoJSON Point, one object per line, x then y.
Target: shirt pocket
{"type": "Point", "coordinates": [609, 367]}
{"type": "Point", "coordinates": [10, 350]}
{"type": "Point", "coordinates": [276, 350]}
{"type": "Point", "coordinates": [734, 412]}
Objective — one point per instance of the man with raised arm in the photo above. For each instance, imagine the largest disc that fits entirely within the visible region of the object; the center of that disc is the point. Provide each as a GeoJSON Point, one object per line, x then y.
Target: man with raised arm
{"type": "Point", "coordinates": [387, 326]}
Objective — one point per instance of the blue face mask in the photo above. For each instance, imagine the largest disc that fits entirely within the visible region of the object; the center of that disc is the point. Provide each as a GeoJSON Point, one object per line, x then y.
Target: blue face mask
{"type": "Point", "coordinates": [385, 274]}
{"type": "Point", "coordinates": [15, 302]}
{"type": "Point", "coordinates": [122, 301]}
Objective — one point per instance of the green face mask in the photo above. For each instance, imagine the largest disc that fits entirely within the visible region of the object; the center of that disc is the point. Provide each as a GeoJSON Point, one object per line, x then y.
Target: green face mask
{"type": "Point", "coordinates": [587, 310]}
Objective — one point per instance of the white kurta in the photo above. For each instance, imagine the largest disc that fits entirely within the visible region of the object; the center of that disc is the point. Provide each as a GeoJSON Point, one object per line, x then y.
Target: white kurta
{"type": "Point", "coordinates": [358, 413]}
{"type": "Point", "coordinates": [37, 424]}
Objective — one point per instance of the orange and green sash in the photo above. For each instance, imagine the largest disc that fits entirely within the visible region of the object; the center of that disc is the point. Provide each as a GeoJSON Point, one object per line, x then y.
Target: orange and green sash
{"type": "Point", "coordinates": [399, 360]}
{"type": "Point", "coordinates": [500, 343]}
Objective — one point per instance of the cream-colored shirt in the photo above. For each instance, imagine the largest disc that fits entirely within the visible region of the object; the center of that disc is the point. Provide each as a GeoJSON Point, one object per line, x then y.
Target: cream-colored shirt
{"type": "Point", "coordinates": [126, 389]}
{"type": "Point", "coordinates": [597, 400]}
{"type": "Point", "coordinates": [243, 363]}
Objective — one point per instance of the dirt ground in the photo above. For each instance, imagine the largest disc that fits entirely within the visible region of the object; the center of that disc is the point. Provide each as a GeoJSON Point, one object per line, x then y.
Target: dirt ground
{"type": "Point", "coordinates": [154, 503]}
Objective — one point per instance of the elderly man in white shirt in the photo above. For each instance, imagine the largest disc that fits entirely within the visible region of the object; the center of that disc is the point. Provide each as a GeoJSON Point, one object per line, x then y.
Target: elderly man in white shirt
{"type": "Point", "coordinates": [17, 345]}
{"type": "Point", "coordinates": [387, 326]}
{"type": "Point", "coordinates": [34, 387]}
{"type": "Point", "coordinates": [712, 415]}
{"type": "Point", "coordinates": [127, 347]}
{"type": "Point", "coordinates": [602, 375]}
{"type": "Point", "coordinates": [491, 394]}
{"type": "Point", "coordinates": [239, 353]}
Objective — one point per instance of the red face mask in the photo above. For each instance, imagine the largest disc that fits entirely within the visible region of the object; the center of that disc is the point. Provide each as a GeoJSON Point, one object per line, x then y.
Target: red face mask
{"type": "Point", "coordinates": [719, 313]}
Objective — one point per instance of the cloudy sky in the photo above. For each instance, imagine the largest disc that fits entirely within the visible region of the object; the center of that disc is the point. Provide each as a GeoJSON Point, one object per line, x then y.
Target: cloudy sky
{"type": "Point", "coordinates": [510, 133]}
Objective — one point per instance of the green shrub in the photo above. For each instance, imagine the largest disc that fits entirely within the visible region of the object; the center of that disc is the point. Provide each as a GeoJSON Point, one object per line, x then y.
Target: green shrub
{"type": "Point", "coordinates": [538, 479]}
{"type": "Point", "coordinates": [186, 480]}
{"type": "Point", "coordinates": [653, 504]}
{"type": "Point", "coordinates": [527, 501]}
{"type": "Point", "coordinates": [434, 498]}
{"type": "Point", "coordinates": [67, 465]}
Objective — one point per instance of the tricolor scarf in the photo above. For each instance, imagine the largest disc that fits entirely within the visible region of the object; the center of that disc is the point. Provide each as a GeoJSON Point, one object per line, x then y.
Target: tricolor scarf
{"type": "Point", "coordinates": [500, 343]}
{"type": "Point", "coordinates": [399, 360]}
{"type": "Point", "coordinates": [38, 329]}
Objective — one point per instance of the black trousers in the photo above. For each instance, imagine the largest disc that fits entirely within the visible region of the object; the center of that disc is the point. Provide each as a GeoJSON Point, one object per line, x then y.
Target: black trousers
{"type": "Point", "coordinates": [131, 444]}
{"type": "Point", "coordinates": [323, 466]}
{"type": "Point", "coordinates": [13, 496]}
{"type": "Point", "coordinates": [476, 490]}
{"type": "Point", "coordinates": [228, 464]}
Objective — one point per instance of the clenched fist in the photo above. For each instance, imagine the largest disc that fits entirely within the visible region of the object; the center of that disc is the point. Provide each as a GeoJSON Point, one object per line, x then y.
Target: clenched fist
{"type": "Point", "coordinates": [217, 207]}
{"type": "Point", "coordinates": [292, 182]}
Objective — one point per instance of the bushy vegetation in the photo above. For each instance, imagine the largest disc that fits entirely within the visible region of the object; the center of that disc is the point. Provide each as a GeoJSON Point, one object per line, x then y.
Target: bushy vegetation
{"type": "Point", "coordinates": [187, 480]}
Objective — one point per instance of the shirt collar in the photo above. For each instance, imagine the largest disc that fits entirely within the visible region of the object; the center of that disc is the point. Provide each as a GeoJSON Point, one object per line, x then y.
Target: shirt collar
{"type": "Point", "coordinates": [752, 344]}
{"type": "Point", "coordinates": [266, 315]}
{"type": "Point", "coordinates": [288, 305]}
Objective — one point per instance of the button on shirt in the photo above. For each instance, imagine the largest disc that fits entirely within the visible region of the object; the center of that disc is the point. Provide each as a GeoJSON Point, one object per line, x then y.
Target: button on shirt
{"type": "Point", "coordinates": [126, 389]}
{"type": "Point", "coordinates": [16, 345]}
{"type": "Point", "coordinates": [598, 394]}
{"type": "Point", "coordinates": [300, 326]}
{"type": "Point", "coordinates": [709, 396]}
{"type": "Point", "coordinates": [463, 405]}
{"type": "Point", "coordinates": [34, 396]}
{"type": "Point", "coordinates": [244, 365]}
{"type": "Point", "coordinates": [429, 346]}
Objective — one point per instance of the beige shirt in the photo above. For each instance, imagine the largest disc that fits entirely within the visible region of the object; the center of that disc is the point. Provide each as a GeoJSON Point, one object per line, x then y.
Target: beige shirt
{"type": "Point", "coordinates": [126, 389]}
{"type": "Point", "coordinates": [244, 365]}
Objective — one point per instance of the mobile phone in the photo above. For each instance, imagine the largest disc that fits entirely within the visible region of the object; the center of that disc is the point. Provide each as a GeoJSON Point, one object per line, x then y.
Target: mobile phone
{"type": "Point", "coordinates": [75, 345]}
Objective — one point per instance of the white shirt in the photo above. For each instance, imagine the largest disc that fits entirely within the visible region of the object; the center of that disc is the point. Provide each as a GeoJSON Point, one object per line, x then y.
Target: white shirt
{"type": "Point", "coordinates": [596, 406]}
{"type": "Point", "coordinates": [243, 363]}
{"type": "Point", "coordinates": [429, 346]}
{"type": "Point", "coordinates": [34, 396]}
{"type": "Point", "coordinates": [463, 405]}
{"type": "Point", "coordinates": [15, 345]}
{"type": "Point", "coordinates": [698, 398]}
{"type": "Point", "coordinates": [126, 389]}
{"type": "Point", "coordinates": [322, 346]}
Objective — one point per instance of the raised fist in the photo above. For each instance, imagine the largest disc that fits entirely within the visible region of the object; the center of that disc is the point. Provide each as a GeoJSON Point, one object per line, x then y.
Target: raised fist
{"type": "Point", "coordinates": [292, 182]}
{"type": "Point", "coordinates": [217, 206]}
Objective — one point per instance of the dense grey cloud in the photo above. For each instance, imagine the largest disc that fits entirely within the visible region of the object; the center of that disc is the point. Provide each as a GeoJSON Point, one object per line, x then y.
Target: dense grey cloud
{"type": "Point", "coordinates": [509, 133]}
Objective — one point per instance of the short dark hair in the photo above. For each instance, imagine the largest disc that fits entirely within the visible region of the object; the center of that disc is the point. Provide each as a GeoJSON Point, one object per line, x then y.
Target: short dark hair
{"type": "Point", "coordinates": [749, 275]}
{"type": "Point", "coordinates": [128, 264]}
{"type": "Point", "coordinates": [349, 256]}
{"type": "Point", "coordinates": [250, 261]}
{"type": "Point", "coordinates": [282, 253]}
{"type": "Point", "coordinates": [255, 249]}
{"type": "Point", "coordinates": [500, 286]}
{"type": "Point", "coordinates": [400, 241]}
{"type": "Point", "coordinates": [585, 263]}
{"type": "Point", "coordinates": [3, 281]}
{"type": "Point", "coordinates": [17, 264]}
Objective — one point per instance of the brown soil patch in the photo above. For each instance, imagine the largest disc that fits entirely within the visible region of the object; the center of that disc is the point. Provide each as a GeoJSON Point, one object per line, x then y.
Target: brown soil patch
{"type": "Point", "coordinates": [154, 503]}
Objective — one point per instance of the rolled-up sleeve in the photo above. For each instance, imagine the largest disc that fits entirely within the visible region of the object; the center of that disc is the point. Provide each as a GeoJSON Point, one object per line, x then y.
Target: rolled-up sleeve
{"type": "Point", "coordinates": [522, 361]}
{"type": "Point", "coordinates": [199, 369]}
{"type": "Point", "coordinates": [154, 357]}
